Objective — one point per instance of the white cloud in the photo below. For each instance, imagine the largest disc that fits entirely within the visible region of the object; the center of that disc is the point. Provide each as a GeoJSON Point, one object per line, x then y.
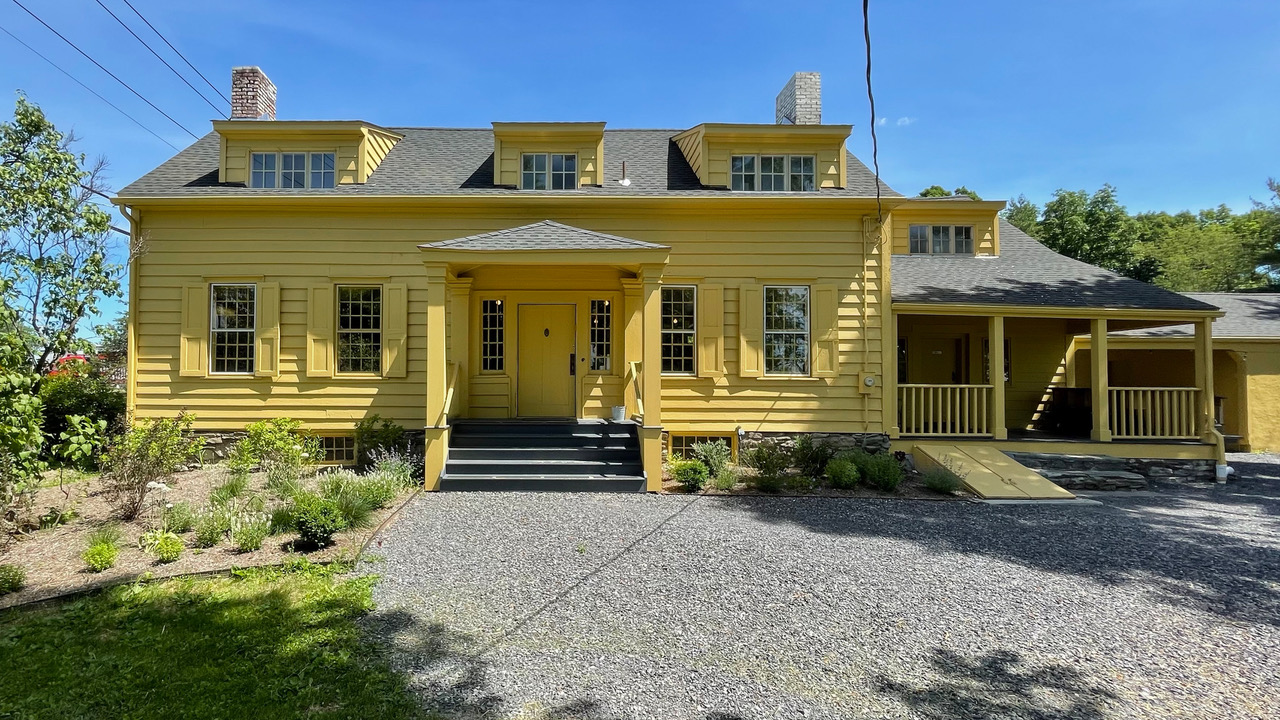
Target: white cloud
{"type": "Point", "coordinates": [882, 121]}
{"type": "Point", "coordinates": [904, 121]}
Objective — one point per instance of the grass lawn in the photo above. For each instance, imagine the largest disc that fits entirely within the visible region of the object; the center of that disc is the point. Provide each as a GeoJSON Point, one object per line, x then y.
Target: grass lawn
{"type": "Point", "coordinates": [262, 644]}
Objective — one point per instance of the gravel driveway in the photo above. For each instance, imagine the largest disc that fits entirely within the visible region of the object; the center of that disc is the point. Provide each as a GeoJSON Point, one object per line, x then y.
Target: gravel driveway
{"type": "Point", "coordinates": [1155, 605]}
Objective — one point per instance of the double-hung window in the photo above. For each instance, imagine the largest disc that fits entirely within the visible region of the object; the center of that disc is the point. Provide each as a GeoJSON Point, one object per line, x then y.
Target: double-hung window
{"type": "Point", "coordinates": [942, 239]}
{"type": "Point", "coordinates": [292, 170]}
{"type": "Point", "coordinates": [601, 334]}
{"type": "Point", "coordinates": [232, 327]}
{"type": "Point", "coordinates": [540, 171]}
{"type": "Point", "coordinates": [772, 173]}
{"type": "Point", "coordinates": [678, 329]}
{"type": "Point", "coordinates": [786, 330]}
{"type": "Point", "coordinates": [360, 329]}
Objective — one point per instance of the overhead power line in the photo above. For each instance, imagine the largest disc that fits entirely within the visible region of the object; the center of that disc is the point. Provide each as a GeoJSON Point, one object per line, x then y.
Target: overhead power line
{"type": "Point", "coordinates": [103, 69]}
{"type": "Point", "coordinates": [166, 62]}
{"type": "Point", "coordinates": [171, 47]}
{"type": "Point", "coordinates": [875, 144]}
{"type": "Point", "coordinates": [86, 87]}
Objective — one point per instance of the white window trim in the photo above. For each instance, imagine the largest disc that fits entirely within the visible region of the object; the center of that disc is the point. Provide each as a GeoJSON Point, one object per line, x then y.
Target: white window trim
{"type": "Point", "coordinates": [951, 239]}
{"type": "Point", "coordinates": [253, 334]}
{"type": "Point", "coordinates": [338, 331]}
{"type": "Point", "coordinates": [808, 330]}
{"type": "Point", "coordinates": [694, 371]}
{"type": "Point", "coordinates": [591, 316]}
{"type": "Point", "coordinates": [306, 173]}
{"type": "Point", "coordinates": [502, 343]}
{"type": "Point", "coordinates": [786, 171]}
{"type": "Point", "coordinates": [549, 171]}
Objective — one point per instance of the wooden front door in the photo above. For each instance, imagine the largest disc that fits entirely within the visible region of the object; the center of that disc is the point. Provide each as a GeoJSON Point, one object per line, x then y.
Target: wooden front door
{"type": "Point", "coordinates": [942, 361]}
{"type": "Point", "coordinates": [546, 361]}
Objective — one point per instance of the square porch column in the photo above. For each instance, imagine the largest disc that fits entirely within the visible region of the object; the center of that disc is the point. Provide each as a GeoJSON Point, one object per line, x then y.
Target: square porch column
{"type": "Point", "coordinates": [460, 343]}
{"type": "Point", "coordinates": [995, 375]}
{"type": "Point", "coordinates": [1100, 383]}
{"type": "Point", "coordinates": [651, 376]}
{"type": "Point", "coordinates": [437, 423]}
{"type": "Point", "coordinates": [1204, 380]}
{"type": "Point", "coordinates": [632, 341]}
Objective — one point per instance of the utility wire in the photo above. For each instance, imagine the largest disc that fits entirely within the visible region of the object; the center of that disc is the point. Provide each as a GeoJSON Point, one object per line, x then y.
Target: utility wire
{"type": "Point", "coordinates": [86, 87]}
{"type": "Point", "coordinates": [171, 47]}
{"type": "Point", "coordinates": [166, 62]}
{"type": "Point", "coordinates": [103, 69]}
{"type": "Point", "coordinates": [875, 145]}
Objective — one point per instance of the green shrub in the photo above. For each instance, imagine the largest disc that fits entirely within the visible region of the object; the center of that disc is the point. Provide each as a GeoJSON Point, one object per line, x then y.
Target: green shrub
{"type": "Point", "coordinates": [941, 480]}
{"type": "Point", "coordinates": [166, 546]}
{"type": "Point", "coordinates": [715, 454]}
{"type": "Point", "coordinates": [146, 454]}
{"type": "Point", "coordinates": [810, 457]}
{"type": "Point", "coordinates": [212, 523]}
{"type": "Point", "coordinates": [726, 479]}
{"type": "Point", "coordinates": [278, 447]}
{"type": "Point", "coordinates": [12, 579]}
{"type": "Point", "coordinates": [282, 519]}
{"type": "Point", "coordinates": [317, 518]}
{"type": "Point", "coordinates": [691, 474]}
{"type": "Point", "coordinates": [405, 467]}
{"type": "Point", "coordinates": [99, 557]}
{"type": "Point", "coordinates": [82, 442]}
{"type": "Point", "coordinates": [249, 530]}
{"type": "Point", "coordinates": [179, 518]}
{"type": "Point", "coordinates": [374, 436]}
{"type": "Point", "coordinates": [66, 393]}
{"type": "Point", "coordinates": [768, 459]}
{"type": "Point", "coordinates": [233, 487]}
{"type": "Point", "coordinates": [843, 473]}
{"type": "Point", "coordinates": [881, 471]}
{"type": "Point", "coordinates": [767, 483]}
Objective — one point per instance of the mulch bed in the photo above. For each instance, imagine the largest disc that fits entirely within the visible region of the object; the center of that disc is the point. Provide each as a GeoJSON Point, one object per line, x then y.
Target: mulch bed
{"type": "Point", "coordinates": [51, 557]}
{"type": "Point", "coordinates": [912, 488]}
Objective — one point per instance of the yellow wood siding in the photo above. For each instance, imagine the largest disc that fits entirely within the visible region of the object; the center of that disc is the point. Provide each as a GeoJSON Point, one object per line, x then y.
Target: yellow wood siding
{"type": "Point", "coordinates": [306, 252]}
{"type": "Point", "coordinates": [982, 217]}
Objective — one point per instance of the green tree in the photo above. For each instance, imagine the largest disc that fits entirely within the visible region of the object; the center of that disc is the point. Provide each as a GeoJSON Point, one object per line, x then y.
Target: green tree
{"type": "Point", "coordinates": [939, 191]}
{"type": "Point", "coordinates": [113, 347]}
{"type": "Point", "coordinates": [1024, 215]}
{"type": "Point", "coordinates": [54, 240]}
{"type": "Point", "coordinates": [1095, 229]}
{"type": "Point", "coordinates": [1197, 257]}
{"type": "Point", "coordinates": [1264, 221]}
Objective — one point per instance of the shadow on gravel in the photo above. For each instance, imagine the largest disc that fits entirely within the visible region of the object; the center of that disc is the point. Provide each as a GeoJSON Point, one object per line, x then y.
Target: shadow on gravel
{"type": "Point", "coordinates": [1215, 549]}
{"type": "Point", "coordinates": [997, 685]}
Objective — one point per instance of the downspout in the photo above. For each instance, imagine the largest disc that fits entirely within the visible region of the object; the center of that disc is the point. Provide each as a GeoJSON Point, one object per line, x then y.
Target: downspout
{"type": "Point", "coordinates": [131, 318]}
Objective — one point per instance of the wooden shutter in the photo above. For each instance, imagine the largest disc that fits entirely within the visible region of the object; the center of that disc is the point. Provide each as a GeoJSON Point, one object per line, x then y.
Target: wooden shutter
{"type": "Point", "coordinates": [751, 331]}
{"type": "Point", "coordinates": [193, 353]}
{"type": "Point", "coordinates": [267, 362]}
{"type": "Point", "coordinates": [825, 331]}
{"type": "Point", "coordinates": [710, 330]}
{"type": "Point", "coordinates": [395, 323]}
{"type": "Point", "coordinates": [320, 337]}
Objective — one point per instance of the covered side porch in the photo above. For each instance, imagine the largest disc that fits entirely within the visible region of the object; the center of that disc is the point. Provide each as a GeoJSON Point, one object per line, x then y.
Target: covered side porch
{"type": "Point", "coordinates": [1010, 377]}
{"type": "Point", "coordinates": [546, 325]}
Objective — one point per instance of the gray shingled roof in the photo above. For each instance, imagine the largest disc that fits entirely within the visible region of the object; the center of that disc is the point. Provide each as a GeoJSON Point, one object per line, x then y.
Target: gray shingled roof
{"type": "Point", "coordinates": [1248, 315]}
{"type": "Point", "coordinates": [1025, 273]}
{"type": "Point", "coordinates": [545, 235]}
{"type": "Point", "coordinates": [443, 161]}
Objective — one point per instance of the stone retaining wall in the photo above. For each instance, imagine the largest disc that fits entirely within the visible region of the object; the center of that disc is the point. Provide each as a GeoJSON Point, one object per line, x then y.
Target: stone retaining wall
{"type": "Point", "coordinates": [1101, 472]}
{"type": "Point", "coordinates": [871, 442]}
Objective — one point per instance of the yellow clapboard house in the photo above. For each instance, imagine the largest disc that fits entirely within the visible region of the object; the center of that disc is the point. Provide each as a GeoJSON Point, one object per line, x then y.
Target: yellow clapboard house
{"type": "Point", "coordinates": [544, 299]}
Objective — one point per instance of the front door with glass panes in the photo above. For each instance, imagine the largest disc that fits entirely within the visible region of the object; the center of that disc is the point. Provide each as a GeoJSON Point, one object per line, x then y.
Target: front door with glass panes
{"type": "Point", "coordinates": [547, 361]}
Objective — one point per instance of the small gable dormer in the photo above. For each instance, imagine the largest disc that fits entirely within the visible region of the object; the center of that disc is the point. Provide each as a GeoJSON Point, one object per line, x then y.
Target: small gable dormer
{"type": "Point", "coordinates": [292, 154]}
{"type": "Point", "coordinates": [768, 158]}
{"type": "Point", "coordinates": [548, 156]}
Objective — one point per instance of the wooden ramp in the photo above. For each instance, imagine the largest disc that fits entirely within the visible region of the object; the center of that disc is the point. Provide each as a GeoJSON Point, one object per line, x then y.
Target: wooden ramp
{"type": "Point", "coordinates": [989, 473]}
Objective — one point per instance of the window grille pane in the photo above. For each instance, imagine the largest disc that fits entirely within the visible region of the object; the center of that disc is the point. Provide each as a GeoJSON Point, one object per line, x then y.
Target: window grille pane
{"type": "Point", "coordinates": [492, 340]}
{"type": "Point", "coordinates": [941, 238]}
{"type": "Point", "coordinates": [262, 170]}
{"type": "Point", "coordinates": [963, 236]}
{"type": "Point", "coordinates": [564, 173]}
{"type": "Point", "coordinates": [601, 334]}
{"type": "Point", "coordinates": [919, 238]}
{"type": "Point", "coordinates": [293, 170]}
{"type": "Point", "coordinates": [322, 173]}
{"type": "Point", "coordinates": [533, 175]}
{"type": "Point", "coordinates": [802, 173]}
{"type": "Point", "coordinates": [678, 329]}
{"type": "Point", "coordinates": [742, 172]}
{"type": "Point", "coordinates": [339, 449]}
{"type": "Point", "coordinates": [231, 346]}
{"type": "Point", "coordinates": [360, 330]}
{"type": "Point", "coordinates": [786, 330]}
{"type": "Point", "coordinates": [773, 173]}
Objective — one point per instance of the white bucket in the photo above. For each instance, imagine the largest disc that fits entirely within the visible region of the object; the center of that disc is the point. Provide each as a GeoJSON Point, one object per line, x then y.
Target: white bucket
{"type": "Point", "coordinates": [619, 413]}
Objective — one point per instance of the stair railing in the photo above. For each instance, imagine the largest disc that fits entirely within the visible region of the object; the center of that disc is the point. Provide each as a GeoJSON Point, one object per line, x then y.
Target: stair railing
{"type": "Point", "coordinates": [633, 374]}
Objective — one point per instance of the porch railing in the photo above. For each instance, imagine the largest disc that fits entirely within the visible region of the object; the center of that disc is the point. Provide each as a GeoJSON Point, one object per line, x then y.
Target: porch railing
{"type": "Point", "coordinates": [1154, 413]}
{"type": "Point", "coordinates": [945, 410]}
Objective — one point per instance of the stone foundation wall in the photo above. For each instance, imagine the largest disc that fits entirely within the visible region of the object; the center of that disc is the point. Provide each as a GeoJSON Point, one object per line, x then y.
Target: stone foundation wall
{"type": "Point", "coordinates": [1100, 472]}
{"type": "Point", "coordinates": [871, 442]}
{"type": "Point", "coordinates": [217, 443]}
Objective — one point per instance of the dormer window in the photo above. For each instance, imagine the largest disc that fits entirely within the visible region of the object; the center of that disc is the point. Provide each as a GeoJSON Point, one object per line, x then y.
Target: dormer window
{"type": "Point", "coordinates": [536, 167]}
{"type": "Point", "coordinates": [772, 173]}
{"type": "Point", "coordinates": [292, 170]}
{"type": "Point", "coordinates": [941, 239]}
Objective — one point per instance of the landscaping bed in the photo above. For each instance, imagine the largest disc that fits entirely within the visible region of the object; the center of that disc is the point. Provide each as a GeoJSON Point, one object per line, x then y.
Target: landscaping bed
{"type": "Point", "coordinates": [52, 559]}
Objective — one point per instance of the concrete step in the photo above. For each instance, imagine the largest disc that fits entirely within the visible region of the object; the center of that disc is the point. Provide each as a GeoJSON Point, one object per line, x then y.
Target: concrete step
{"type": "Point", "coordinates": [606, 453]}
{"type": "Point", "coordinates": [548, 483]}
{"type": "Point", "coordinates": [558, 440]}
{"type": "Point", "coordinates": [528, 468]}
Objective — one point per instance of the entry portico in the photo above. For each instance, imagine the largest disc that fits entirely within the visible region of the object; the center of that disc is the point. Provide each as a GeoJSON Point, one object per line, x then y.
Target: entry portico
{"type": "Point", "coordinates": [542, 321]}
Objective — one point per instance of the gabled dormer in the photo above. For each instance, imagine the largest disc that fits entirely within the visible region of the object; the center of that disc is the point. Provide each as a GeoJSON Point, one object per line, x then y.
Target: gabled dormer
{"type": "Point", "coordinates": [262, 152]}
{"type": "Point", "coordinates": [549, 155]}
{"type": "Point", "coordinates": [769, 158]}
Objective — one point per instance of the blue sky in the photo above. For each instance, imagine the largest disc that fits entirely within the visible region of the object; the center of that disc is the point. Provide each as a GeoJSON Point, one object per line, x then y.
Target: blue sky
{"type": "Point", "coordinates": [1175, 102]}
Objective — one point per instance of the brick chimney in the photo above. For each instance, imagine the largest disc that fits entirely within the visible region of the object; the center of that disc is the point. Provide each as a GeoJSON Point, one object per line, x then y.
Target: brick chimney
{"type": "Point", "coordinates": [253, 95]}
{"type": "Point", "coordinates": [800, 102]}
